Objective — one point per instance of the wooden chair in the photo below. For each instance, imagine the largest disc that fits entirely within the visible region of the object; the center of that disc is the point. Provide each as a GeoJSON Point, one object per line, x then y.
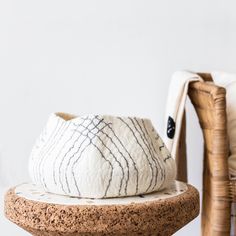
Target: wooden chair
{"type": "Point", "coordinates": [219, 191]}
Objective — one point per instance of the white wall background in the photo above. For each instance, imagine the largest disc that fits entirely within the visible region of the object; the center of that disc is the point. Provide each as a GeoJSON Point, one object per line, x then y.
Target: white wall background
{"type": "Point", "coordinates": [112, 57]}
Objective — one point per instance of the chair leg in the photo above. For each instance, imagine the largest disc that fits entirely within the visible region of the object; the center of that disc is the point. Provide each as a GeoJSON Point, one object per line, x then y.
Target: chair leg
{"type": "Point", "coordinates": [181, 155]}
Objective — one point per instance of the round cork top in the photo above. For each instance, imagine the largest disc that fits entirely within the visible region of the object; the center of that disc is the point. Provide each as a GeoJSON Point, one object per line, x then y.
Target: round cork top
{"type": "Point", "coordinates": [159, 213]}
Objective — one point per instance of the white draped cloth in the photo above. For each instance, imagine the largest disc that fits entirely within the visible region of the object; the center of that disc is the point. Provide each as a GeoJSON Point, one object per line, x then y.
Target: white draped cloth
{"type": "Point", "coordinates": [178, 91]}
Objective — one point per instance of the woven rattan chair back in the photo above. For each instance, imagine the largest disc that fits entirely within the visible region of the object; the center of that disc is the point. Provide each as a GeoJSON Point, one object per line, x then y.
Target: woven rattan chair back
{"type": "Point", "coordinates": [210, 104]}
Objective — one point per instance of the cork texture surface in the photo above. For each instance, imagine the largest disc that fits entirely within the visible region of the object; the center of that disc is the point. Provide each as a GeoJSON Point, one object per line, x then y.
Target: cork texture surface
{"type": "Point", "coordinates": [156, 217]}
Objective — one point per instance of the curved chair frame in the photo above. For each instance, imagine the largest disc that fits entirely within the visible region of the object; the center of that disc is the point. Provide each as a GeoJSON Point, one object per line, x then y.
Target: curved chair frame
{"type": "Point", "coordinates": [219, 192]}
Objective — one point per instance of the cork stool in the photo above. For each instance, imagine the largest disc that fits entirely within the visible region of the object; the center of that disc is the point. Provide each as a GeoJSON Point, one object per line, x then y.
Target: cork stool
{"type": "Point", "coordinates": [158, 213]}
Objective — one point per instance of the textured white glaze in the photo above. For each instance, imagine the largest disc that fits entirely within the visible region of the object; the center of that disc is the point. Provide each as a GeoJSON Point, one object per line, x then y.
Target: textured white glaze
{"type": "Point", "coordinates": [98, 156]}
{"type": "Point", "coordinates": [35, 193]}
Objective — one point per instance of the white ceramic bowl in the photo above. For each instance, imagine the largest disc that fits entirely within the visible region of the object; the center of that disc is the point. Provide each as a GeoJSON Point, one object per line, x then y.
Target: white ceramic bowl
{"type": "Point", "coordinates": [100, 156]}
